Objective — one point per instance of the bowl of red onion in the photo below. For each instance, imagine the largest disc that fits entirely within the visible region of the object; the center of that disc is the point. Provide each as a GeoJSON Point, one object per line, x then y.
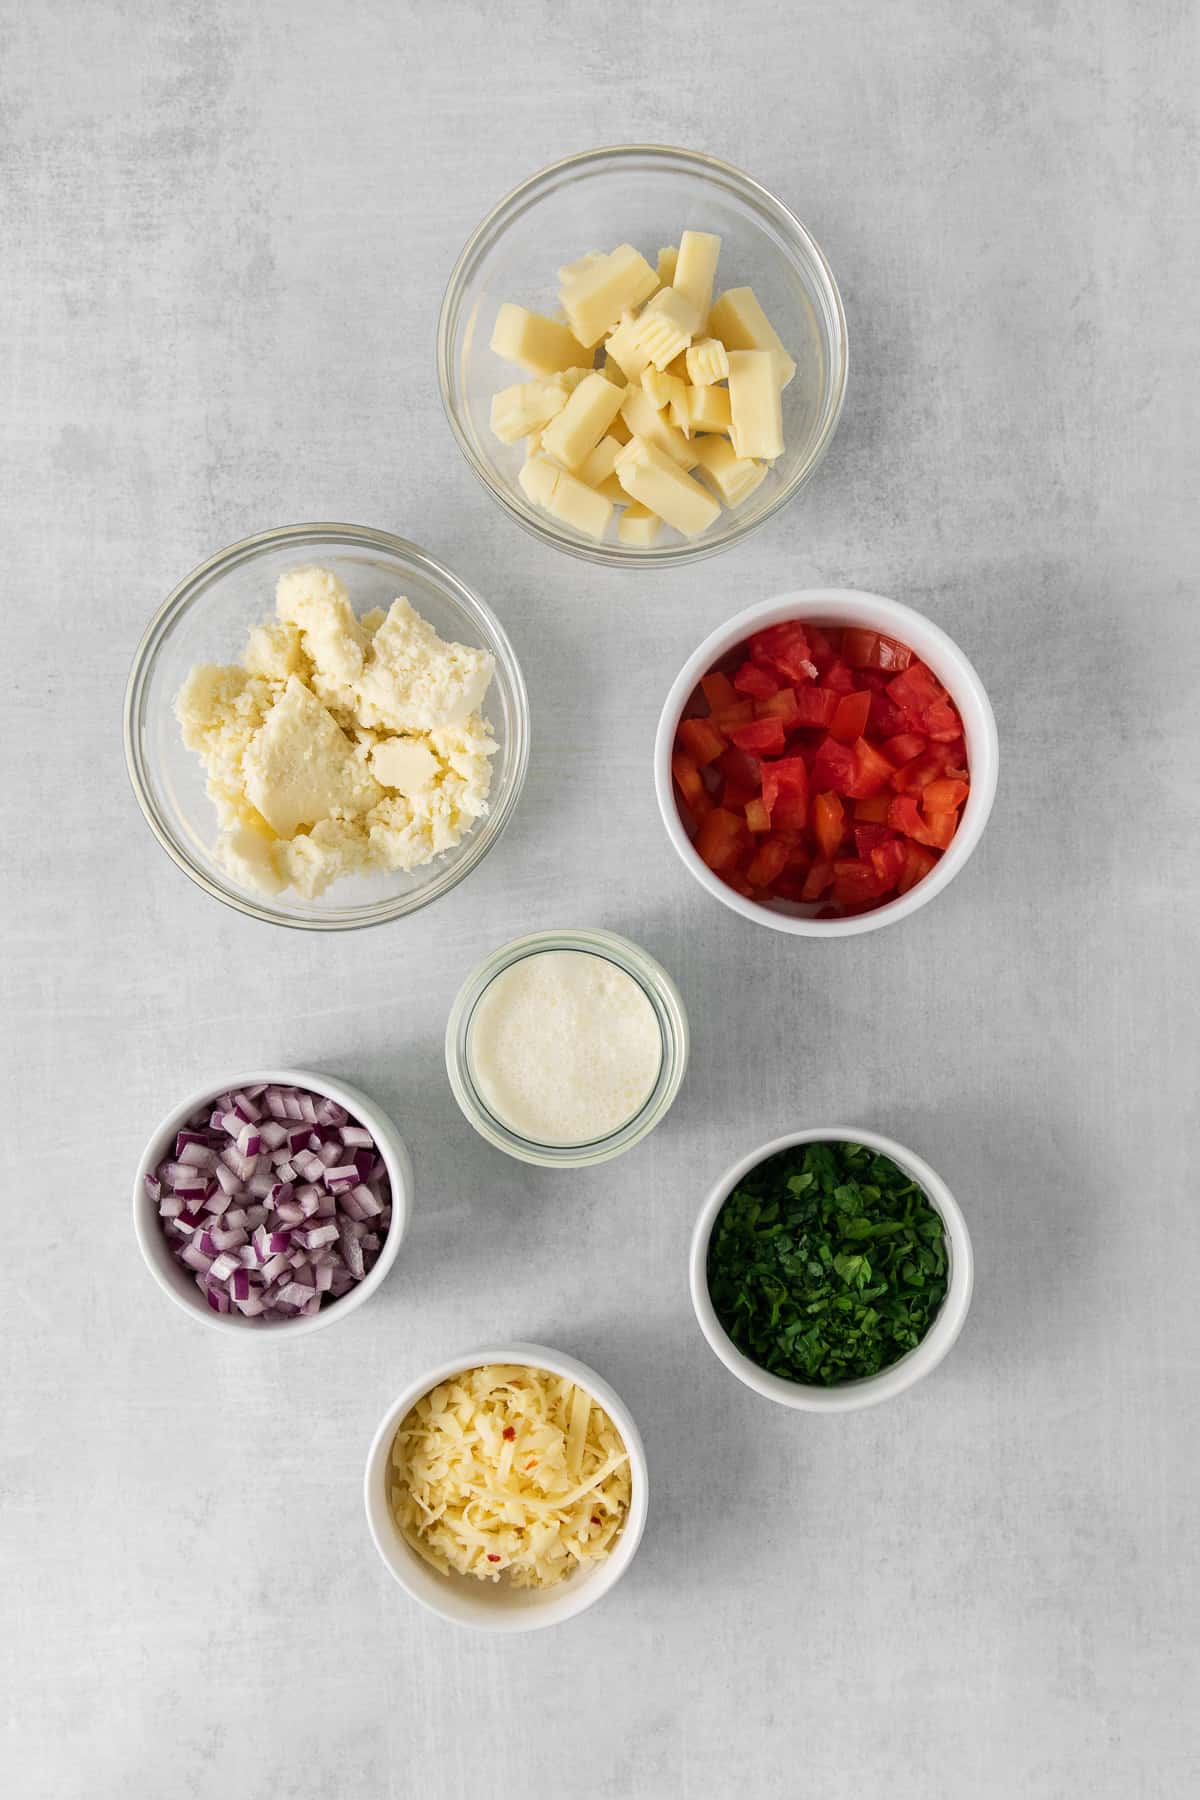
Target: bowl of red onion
{"type": "Point", "coordinates": [274, 1201]}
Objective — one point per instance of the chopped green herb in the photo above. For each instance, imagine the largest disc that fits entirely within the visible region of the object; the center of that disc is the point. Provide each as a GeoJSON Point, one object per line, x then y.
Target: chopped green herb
{"type": "Point", "coordinates": [827, 1263]}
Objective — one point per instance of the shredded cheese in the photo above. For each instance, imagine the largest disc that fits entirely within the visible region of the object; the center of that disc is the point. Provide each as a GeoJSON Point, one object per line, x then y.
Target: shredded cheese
{"type": "Point", "coordinates": [509, 1471]}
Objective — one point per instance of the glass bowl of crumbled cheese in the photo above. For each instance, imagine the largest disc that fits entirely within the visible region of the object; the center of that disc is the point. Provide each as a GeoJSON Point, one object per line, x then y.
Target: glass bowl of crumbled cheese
{"type": "Point", "coordinates": [326, 728]}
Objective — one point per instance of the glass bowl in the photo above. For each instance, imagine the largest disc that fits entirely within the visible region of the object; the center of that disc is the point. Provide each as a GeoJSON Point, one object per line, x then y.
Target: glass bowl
{"type": "Point", "coordinates": [206, 620]}
{"type": "Point", "coordinates": [668, 1007]}
{"type": "Point", "coordinates": [645, 194]}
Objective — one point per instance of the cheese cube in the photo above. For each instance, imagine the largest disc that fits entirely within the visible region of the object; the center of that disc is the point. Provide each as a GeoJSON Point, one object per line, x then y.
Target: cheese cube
{"type": "Point", "coordinates": [526, 407]}
{"type": "Point", "coordinates": [643, 420]}
{"type": "Point", "coordinates": [598, 465]}
{"type": "Point", "coordinates": [708, 408]}
{"type": "Point", "coordinates": [565, 496]}
{"type": "Point", "coordinates": [661, 388]}
{"type": "Point", "coordinates": [639, 526]}
{"type": "Point", "coordinates": [741, 324]}
{"type": "Point", "coordinates": [623, 348]}
{"type": "Point", "coordinates": [757, 417]}
{"type": "Point", "coordinates": [648, 474]}
{"type": "Point", "coordinates": [536, 343]}
{"type": "Point", "coordinates": [731, 476]}
{"type": "Point", "coordinates": [695, 271]}
{"type": "Point", "coordinates": [667, 259]}
{"type": "Point", "coordinates": [595, 293]}
{"type": "Point", "coordinates": [583, 421]}
{"type": "Point", "coordinates": [665, 327]}
{"type": "Point", "coordinates": [707, 362]}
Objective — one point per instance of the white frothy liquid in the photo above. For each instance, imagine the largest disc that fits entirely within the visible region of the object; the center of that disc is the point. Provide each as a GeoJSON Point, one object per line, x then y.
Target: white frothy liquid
{"type": "Point", "coordinates": [564, 1047]}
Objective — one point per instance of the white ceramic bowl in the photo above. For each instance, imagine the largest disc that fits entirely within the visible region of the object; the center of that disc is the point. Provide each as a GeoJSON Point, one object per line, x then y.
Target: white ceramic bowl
{"type": "Point", "coordinates": [841, 606]}
{"type": "Point", "coordinates": [494, 1606]}
{"type": "Point", "coordinates": [178, 1282]}
{"type": "Point", "coordinates": [851, 1395]}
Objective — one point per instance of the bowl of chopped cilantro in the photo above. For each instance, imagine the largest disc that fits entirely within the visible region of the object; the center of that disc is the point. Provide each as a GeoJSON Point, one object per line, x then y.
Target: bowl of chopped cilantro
{"type": "Point", "coordinates": [831, 1269]}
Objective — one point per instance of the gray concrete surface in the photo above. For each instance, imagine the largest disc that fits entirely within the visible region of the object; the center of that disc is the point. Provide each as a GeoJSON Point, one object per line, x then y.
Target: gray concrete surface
{"type": "Point", "coordinates": [225, 230]}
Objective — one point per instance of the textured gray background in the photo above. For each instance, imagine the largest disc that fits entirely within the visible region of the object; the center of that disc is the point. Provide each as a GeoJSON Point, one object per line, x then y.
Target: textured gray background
{"type": "Point", "coordinates": [224, 232]}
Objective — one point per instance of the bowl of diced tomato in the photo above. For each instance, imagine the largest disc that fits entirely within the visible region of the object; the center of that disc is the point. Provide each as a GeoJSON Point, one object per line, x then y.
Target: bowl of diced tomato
{"type": "Point", "coordinates": [826, 762]}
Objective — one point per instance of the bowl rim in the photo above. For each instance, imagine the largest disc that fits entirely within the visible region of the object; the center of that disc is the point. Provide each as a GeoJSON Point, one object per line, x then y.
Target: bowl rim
{"type": "Point", "coordinates": [476, 845]}
{"type": "Point", "coordinates": [156, 1252]}
{"type": "Point", "coordinates": [398, 1556]}
{"type": "Point", "coordinates": [617, 555]}
{"type": "Point", "coordinates": [899, 1376]}
{"type": "Point", "coordinates": [839, 606]}
{"type": "Point", "coordinates": [669, 1011]}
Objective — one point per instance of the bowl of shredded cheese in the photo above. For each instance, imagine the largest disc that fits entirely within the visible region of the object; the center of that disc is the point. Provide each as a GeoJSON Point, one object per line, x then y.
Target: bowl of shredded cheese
{"type": "Point", "coordinates": [507, 1490]}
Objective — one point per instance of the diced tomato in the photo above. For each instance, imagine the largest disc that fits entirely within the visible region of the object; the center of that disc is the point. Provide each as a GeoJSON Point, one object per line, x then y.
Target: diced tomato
{"type": "Point", "coordinates": [759, 683]}
{"type": "Point", "coordinates": [768, 862]}
{"type": "Point", "coordinates": [815, 706]}
{"type": "Point", "coordinates": [873, 810]}
{"type": "Point", "coordinates": [940, 828]}
{"type": "Point", "coordinates": [740, 778]}
{"type": "Point", "coordinates": [860, 648]}
{"type": "Point", "coordinates": [839, 678]}
{"type": "Point", "coordinates": [850, 719]}
{"type": "Point", "coordinates": [905, 748]}
{"type": "Point", "coordinates": [833, 766]}
{"type": "Point", "coordinates": [942, 722]}
{"type": "Point", "coordinates": [788, 887]}
{"type": "Point", "coordinates": [888, 861]}
{"type": "Point", "coordinates": [719, 839]}
{"type": "Point", "coordinates": [943, 796]}
{"type": "Point", "coordinates": [869, 837]}
{"type": "Point", "coordinates": [871, 681]}
{"type": "Point", "coordinates": [780, 706]}
{"type": "Point", "coordinates": [761, 737]}
{"type": "Point", "coordinates": [935, 830]}
{"type": "Point", "coordinates": [917, 774]}
{"type": "Point", "coordinates": [854, 881]}
{"type": "Point", "coordinates": [784, 647]}
{"type": "Point", "coordinates": [915, 691]}
{"type": "Point", "coordinates": [719, 691]}
{"type": "Point", "coordinates": [785, 793]}
{"type": "Point", "coordinates": [871, 771]}
{"type": "Point", "coordinates": [701, 740]}
{"type": "Point", "coordinates": [828, 823]}
{"type": "Point", "coordinates": [823, 646]}
{"type": "Point", "coordinates": [757, 816]}
{"type": "Point", "coordinates": [817, 879]}
{"type": "Point", "coordinates": [687, 780]}
{"type": "Point", "coordinates": [905, 815]}
{"type": "Point", "coordinates": [953, 758]}
{"type": "Point", "coordinates": [740, 713]}
{"type": "Point", "coordinates": [917, 864]}
{"type": "Point", "coordinates": [886, 719]}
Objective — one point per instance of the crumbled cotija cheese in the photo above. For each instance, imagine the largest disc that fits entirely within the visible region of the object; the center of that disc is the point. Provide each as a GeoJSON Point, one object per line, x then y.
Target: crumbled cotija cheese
{"type": "Point", "coordinates": [339, 746]}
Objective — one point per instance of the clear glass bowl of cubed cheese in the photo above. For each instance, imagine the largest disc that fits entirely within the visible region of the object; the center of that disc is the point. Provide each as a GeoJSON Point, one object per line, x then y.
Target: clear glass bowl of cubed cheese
{"type": "Point", "coordinates": [206, 620]}
{"type": "Point", "coordinates": [645, 196]}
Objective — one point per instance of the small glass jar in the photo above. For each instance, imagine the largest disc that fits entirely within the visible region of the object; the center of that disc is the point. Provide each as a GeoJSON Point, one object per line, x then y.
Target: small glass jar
{"type": "Point", "coordinates": [664, 998]}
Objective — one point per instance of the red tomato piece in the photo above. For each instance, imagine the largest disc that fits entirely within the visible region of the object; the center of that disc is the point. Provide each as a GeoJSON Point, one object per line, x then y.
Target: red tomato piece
{"type": "Point", "coordinates": [833, 767]}
{"type": "Point", "coordinates": [905, 748]}
{"type": "Point", "coordinates": [917, 864]}
{"type": "Point", "coordinates": [815, 706]}
{"type": "Point", "coordinates": [719, 839]}
{"type": "Point", "coordinates": [850, 719]}
{"type": "Point", "coordinates": [935, 831]}
{"type": "Point", "coordinates": [701, 740]}
{"type": "Point", "coordinates": [888, 861]}
{"type": "Point", "coordinates": [687, 780]}
{"type": "Point", "coordinates": [916, 774]}
{"type": "Point", "coordinates": [870, 837]}
{"type": "Point", "coordinates": [784, 647]}
{"type": "Point", "coordinates": [759, 683]}
{"type": "Point", "coordinates": [823, 645]}
{"type": "Point", "coordinates": [757, 816]}
{"type": "Point", "coordinates": [839, 679]}
{"type": "Point", "coordinates": [873, 811]}
{"type": "Point", "coordinates": [943, 796]}
{"type": "Point", "coordinates": [941, 721]}
{"type": "Point", "coordinates": [860, 648]}
{"type": "Point", "coordinates": [940, 828]}
{"type": "Point", "coordinates": [783, 706]}
{"type": "Point", "coordinates": [740, 713]}
{"type": "Point", "coordinates": [768, 862]}
{"type": "Point", "coordinates": [718, 690]}
{"type": "Point", "coordinates": [740, 777]}
{"type": "Point", "coordinates": [761, 737]}
{"type": "Point", "coordinates": [854, 881]}
{"type": "Point", "coordinates": [886, 718]}
{"type": "Point", "coordinates": [872, 770]}
{"type": "Point", "coordinates": [785, 793]}
{"type": "Point", "coordinates": [817, 879]}
{"type": "Point", "coordinates": [828, 823]}
{"type": "Point", "coordinates": [915, 691]}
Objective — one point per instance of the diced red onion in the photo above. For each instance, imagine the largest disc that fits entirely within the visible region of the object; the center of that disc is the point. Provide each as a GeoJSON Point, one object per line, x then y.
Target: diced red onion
{"type": "Point", "coordinates": [357, 1137]}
